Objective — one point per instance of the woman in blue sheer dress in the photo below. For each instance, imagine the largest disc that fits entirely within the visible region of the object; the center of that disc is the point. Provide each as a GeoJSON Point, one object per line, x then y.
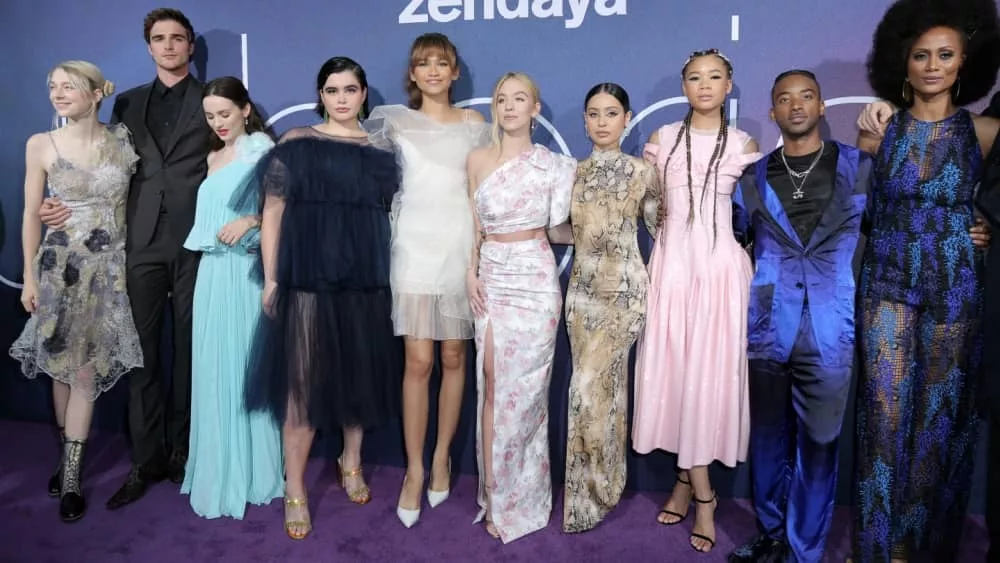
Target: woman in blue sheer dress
{"type": "Point", "coordinates": [325, 356]}
{"type": "Point", "coordinates": [235, 454]}
{"type": "Point", "coordinates": [921, 288]}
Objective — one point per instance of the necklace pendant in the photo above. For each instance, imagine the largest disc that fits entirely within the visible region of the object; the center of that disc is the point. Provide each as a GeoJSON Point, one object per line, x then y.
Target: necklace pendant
{"type": "Point", "coordinates": [797, 194]}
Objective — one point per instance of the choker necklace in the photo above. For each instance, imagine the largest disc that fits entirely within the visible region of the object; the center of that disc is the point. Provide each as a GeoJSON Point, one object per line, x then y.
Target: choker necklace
{"type": "Point", "coordinates": [793, 175]}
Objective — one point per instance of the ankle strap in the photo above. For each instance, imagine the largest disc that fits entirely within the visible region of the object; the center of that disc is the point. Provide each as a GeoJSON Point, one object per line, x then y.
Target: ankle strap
{"type": "Point", "coordinates": [709, 501]}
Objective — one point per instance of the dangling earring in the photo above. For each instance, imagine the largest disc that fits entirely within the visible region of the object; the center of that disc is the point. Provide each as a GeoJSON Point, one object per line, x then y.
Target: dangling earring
{"type": "Point", "coordinates": [533, 124]}
{"type": "Point", "coordinates": [907, 92]}
{"type": "Point", "coordinates": [246, 121]}
{"type": "Point", "coordinates": [958, 88]}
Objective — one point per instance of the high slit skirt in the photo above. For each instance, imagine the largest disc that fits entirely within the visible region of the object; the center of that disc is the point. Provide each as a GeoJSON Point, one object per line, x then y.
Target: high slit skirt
{"type": "Point", "coordinates": [523, 304]}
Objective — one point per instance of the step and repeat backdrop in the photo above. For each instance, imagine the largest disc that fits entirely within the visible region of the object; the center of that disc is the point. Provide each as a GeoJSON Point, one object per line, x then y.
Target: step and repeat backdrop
{"type": "Point", "coordinates": [567, 46]}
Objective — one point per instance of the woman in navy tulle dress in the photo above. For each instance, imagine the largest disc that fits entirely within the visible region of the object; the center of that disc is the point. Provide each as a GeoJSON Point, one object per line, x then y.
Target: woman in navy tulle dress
{"type": "Point", "coordinates": [325, 355]}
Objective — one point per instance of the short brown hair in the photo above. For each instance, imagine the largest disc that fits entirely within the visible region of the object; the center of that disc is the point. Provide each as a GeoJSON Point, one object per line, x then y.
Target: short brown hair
{"type": "Point", "coordinates": [424, 46]}
{"type": "Point", "coordinates": [166, 14]}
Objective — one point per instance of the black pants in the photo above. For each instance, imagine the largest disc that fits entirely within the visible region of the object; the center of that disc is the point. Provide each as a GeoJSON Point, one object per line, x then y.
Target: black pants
{"type": "Point", "coordinates": [160, 273]}
{"type": "Point", "coordinates": [991, 365]}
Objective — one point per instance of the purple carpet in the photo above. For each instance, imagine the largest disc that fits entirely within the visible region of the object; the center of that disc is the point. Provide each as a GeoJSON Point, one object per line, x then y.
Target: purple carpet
{"type": "Point", "coordinates": [162, 528]}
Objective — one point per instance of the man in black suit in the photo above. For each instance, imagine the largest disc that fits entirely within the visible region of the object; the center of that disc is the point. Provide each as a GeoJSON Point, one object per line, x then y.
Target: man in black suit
{"type": "Point", "coordinates": [171, 137]}
{"type": "Point", "coordinates": [989, 206]}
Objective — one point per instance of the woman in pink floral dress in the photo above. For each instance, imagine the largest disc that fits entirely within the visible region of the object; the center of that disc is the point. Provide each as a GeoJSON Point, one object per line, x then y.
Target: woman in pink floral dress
{"type": "Point", "coordinates": [518, 191]}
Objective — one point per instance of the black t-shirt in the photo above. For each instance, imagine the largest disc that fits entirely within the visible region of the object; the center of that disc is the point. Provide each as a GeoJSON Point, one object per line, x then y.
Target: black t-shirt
{"type": "Point", "coordinates": [817, 188]}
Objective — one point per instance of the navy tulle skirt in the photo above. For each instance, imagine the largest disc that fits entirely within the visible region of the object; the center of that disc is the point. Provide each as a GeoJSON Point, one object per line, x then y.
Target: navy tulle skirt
{"type": "Point", "coordinates": [326, 348]}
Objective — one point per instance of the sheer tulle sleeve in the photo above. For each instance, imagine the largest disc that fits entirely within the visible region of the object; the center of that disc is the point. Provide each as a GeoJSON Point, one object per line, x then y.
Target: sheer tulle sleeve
{"type": "Point", "coordinates": [652, 198]}
{"type": "Point", "coordinates": [251, 150]}
{"type": "Point", "coordinates": [269, 177]}
{"type": "Point", "coordinates": [481, 134]}
{"type": "Point", "coordinates": [383, 124]}
{"type": "Point", "coordinates": [563, 178]}
{"type": "Point", "coordinates": [385, 175]}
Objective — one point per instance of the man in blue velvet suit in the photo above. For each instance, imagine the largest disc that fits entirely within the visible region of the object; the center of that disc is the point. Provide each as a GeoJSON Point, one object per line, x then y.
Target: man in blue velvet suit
{"type": "Point", "coordinates": [800, 210]}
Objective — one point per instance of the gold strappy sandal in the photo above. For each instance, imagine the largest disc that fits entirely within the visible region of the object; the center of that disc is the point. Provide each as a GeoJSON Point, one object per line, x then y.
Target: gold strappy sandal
{"type": "Point", "coordinates": [362, 495]}
{"type": "Point", "coordinates": [292, 525]}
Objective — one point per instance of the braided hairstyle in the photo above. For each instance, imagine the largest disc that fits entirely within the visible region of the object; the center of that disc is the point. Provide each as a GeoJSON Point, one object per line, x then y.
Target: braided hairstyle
{"type": "Point", "coordinates": [715, 161]}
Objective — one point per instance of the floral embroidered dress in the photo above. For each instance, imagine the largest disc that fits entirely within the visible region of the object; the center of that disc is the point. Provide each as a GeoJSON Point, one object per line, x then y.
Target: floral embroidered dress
{"type": "Point", "coordinates": [523, 303]}
{"type": "Point", "coordinates": [82, 332]}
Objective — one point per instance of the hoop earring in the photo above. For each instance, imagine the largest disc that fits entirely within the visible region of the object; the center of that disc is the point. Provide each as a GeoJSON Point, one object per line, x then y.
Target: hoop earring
{"type": "Point", "coordinates": [907, 92]}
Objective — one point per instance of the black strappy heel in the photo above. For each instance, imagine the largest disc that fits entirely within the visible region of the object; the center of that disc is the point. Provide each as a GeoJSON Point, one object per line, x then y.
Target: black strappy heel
{"type": "Point", "coordinates": [711, 541]}
{"type": "Point", "coordinates": [680, 517]}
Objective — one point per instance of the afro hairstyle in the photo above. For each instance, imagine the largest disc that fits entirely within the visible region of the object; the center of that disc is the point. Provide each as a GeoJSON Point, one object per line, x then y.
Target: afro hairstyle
{"type": "Point", "coordinates": [907, 20]}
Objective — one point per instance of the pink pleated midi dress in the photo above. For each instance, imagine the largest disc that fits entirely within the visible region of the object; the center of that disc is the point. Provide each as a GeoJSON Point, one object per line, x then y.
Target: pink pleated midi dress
{"type": "Point", "coordinates": [691, 394]}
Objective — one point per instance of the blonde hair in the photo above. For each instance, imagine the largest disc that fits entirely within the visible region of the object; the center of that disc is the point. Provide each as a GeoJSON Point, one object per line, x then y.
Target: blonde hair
{"type": "Point", "coordinates": [85, 76]}
{"type": "Point", "coordinates": [521, 77]}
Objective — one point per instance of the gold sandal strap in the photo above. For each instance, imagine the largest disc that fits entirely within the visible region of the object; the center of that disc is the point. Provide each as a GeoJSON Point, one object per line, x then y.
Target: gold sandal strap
{"type": "Point", "coordinates": [356, 472]}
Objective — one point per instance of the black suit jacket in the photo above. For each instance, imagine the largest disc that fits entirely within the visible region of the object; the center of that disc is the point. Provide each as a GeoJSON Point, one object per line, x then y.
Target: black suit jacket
{"type": "Point", "coordinates": [170, 177]}
{"type": "Point", "coordinates": [988, 203]}
{"type": "Point", "coordinates": [988, 195]}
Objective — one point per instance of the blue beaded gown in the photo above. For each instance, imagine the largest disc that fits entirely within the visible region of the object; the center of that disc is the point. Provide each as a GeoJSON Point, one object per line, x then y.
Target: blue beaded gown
{"type": "Point", "coordinates": [328, 348]}
{"type": "Point", "coordinates": [919, 334]}
{"type": "Point", "coordinates": [235, 454]}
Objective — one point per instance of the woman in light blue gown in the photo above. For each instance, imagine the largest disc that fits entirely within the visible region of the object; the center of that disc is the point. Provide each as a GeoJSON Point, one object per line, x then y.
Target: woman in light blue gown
{"type": "Point", "coordinates": [235, 455]}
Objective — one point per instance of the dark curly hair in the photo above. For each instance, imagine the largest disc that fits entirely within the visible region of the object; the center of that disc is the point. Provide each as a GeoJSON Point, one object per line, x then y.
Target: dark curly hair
{"type": "Point", "coordinates": [907, 20]}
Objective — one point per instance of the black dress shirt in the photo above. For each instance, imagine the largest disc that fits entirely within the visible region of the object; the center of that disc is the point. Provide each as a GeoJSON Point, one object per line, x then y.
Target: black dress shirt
{"type": "Point", "coordinates": [164, 109]}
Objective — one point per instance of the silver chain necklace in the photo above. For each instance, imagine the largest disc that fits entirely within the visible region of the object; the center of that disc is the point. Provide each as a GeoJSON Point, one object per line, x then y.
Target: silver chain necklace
{"type": "Point", "coordinates": [792, 174]}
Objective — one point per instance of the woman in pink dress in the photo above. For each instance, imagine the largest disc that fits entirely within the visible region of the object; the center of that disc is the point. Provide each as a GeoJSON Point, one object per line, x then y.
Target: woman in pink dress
{"type": "Point", "coordinates": [691, 369]}
{"type": "Point", "coordinates": [519, 190]}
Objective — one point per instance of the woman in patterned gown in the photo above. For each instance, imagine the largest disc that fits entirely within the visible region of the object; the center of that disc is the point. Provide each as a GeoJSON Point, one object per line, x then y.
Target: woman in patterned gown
{"type": "Point", "coordinates": [518, 191]}
{"type": "Point", "coordinates": [431, 237]}
{"type": "Point", "coordinates": [605, 306]}
{"type": "Point", "coordinates": [921, 287]}
{"type": "Point", "coordinates": [691, 370]}
{"type": "Point", "coordinates": [81, 332]}
{"type": "Point", "coordinates": [235, 454]}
